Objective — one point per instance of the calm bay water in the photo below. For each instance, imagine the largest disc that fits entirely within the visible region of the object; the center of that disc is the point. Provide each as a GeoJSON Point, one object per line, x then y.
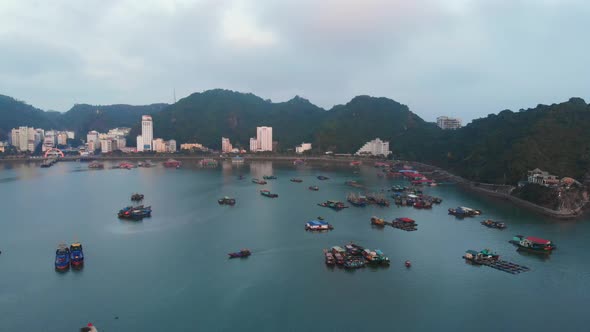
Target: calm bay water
{"type": "Point", "coordinates": [171, 272]}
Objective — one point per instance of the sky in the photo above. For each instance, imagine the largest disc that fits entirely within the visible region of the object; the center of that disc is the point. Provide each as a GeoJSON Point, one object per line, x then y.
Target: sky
{"type": "Point", "coordinates": [461, 58]}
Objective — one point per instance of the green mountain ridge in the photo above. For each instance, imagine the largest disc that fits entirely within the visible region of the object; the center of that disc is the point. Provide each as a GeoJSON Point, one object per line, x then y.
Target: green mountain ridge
{"type": "Point", "coordinates": [499, 148]}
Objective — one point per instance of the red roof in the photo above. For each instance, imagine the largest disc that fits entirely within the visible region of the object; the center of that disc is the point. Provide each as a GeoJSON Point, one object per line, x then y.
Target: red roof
{"type": "Point", "coordinates": [538, 240]}
{"type": "Point", "coordinates": [405, 220]}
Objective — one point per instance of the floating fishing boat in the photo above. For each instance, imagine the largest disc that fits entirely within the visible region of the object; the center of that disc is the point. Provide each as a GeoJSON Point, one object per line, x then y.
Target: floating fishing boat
{"type": "Point", "coordinates": [462, 211]}
{"type": "Point", "coordinates": [353, 184]}
{"type": "Point", "coordinates": [171, 163]}
{"type": "Point", "coordinates": [314, 188]}
{"type": "Point", "coordinates": [137, 197]}
{"type": "Point", "coordinates": [96, 165]}
{"type": "Point", "coordinates": [298, 162]}
{"type": "Point", "coordinates": [125, 165]}
{"type": "Point", "coordinates": [321, 177]}
{"type": "Point", "coordinates": [76, 255]}
{"type": "Point", "coordinates": [353, 249]}
{"type": "Point", "coordinates": [269, 177]}
{"type": "Point", "coordinates": [257, 181]}
{"type": "Point", "coordinates": [267, 193]}
{"type": "Point", "coordinates": [355, 163]}
{"type": "Point", "coordinates": [240, 254]}
{"type": "Point", "coordinates": [62, 258]}
{"type": "Point", "coordinates": [354, 262]}
{"type": "Point", "coordinates": [377, 199]}
{"type": "Point", "coordinates": [493, 224]}
{"type": "Point", "coordinates": [375, 257]}
{"type": "Point", "coordinates": [208, 162]}
{"type": "Point", "coordinates": [335, 205]}
{"type": "Point", "coordinates": [408, 264]}
{"type": "Point", "coordinates": [533, 244]}
{"type": "Point", "coordinates": [377, 222]}
{"type": "Point", "coordinates": [296, 180]}
{"type": "Point", "coordinates": [329, 258]}
{"type": "Point", "coordinates": [317, 225]}
{"type": "Point", "coordinates": [226, 201]}
{"type": "Point", "coordinates": [135, 212]}
{"type": "Point", "coordinates": [356, 200]}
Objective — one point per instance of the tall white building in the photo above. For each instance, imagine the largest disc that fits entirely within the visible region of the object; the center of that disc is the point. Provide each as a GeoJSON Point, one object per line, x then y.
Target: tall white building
{"type": "Point", "coordinates": [375, 147]}
{"type": "Point", "coordinates": [147, 132]}
{"type": "Point", "coordinates": [62, 138]}
{"type": "Point", "coordinates": [92, 136]}
{"type": "Point", "coordinates": [264, 138]}
{"type": "Point", "coordinates": [106, 145]}
{"type": "Point", "coordinates": [444, 122]}
{"type": "Point", "coordinates": [171, 146]}
{"type": "Point", "coordinates": [15, 137]}
{"type": "Point", "coordinates": [139, 143]}
{"type": "Point", "coordinates": [225, 145]}
{"type": "Point", "coordinates": [253, 144]}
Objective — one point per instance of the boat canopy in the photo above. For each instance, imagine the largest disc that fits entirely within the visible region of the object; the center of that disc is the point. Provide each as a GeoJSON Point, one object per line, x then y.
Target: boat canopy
{"type": "Point", "coordinates": [317, 223]}
{"type": "Point", "coordinates": [408, 220]}
{"type": "Point", "coordinates": [538, 240]}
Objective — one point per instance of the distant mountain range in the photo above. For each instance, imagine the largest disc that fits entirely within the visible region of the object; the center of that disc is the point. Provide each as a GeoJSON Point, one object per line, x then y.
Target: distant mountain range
{"type": "Point", "coordinates": [81, 118]}
{"type": "Point", "coordinates": [497, 149]}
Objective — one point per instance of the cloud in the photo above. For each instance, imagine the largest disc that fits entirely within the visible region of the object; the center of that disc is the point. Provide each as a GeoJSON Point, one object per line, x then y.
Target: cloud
{"type": "Point", "coordinates": [455, 57]}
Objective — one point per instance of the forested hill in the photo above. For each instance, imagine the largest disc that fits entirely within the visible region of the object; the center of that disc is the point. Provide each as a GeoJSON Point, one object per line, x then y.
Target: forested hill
{"type": "Point", "coordinates": [206, 117]}
{"type": "Point", "coordinates": [81, 118]}
{"type": "Point", "coordinates": [501, 148]}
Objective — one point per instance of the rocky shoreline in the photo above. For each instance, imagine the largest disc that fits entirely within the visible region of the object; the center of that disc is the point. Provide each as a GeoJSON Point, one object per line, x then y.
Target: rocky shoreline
{"type": "Point", "coordinates": [496, 191]}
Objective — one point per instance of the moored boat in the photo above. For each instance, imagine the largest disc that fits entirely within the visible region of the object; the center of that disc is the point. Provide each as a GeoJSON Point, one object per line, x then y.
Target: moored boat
{"type": "Point", "coordinates": [240, 254]}
{"type": "Point", "coordinates": [533, 244]}
{"type": "Point", "coordinates": [298, 162]}
{"type": "Point", "coordinates": [493, 224]}
{"type": "Point", "coordinates": [226, 201]}
{"type": "Point", "coordinates": [296, 180]}
{"type": "Point", "coordinates": [137, 197]}
{"type": "Point", "coordinates": [62, 258]}
{"type": "Point", "coordinates": [462, 211]}
{"type": "Point", "coordinates": [375, 257]}
{"type": "Point", "coordinates": [257, 181]}
{"type": "Point", "coordinates": [267, 193]}
{"type": "Point", "coordinates": [321, 177]}
{"type": "Point", "coordinates": [357, 200]}
{"type": "Point", "coordinates": [377, 221]}
{"type": "Point", "coordinates": [96, 165]}
{"type": "Point", "coordinates": [314, 188]}
{"type": "Point", "coordinates": [171, 163]}
{"type": "Point", "coordinates": [76, 255]}
{"type": "Point", "coordinates": [354, 262]}
{"type": "Point", "coordinates": [408, 264]}
{"type": "Point", "coordinates": [317, 225]}
{"type": "Point", "coordinates": [135, 212]}
{"type": "Point", "coordinates": [269, 177]}
{"type": "Point", "coordinates": [335, 205]}
{"type": "Point", "coordinates": [329, 258]}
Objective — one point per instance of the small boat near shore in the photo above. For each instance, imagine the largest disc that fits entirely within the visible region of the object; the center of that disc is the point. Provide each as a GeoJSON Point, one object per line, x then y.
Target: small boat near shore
{"type": "Point", "coordinates": [269, 177]}
{"type": "Point", "coordinates": [227, 201]}
{"type": "Point", "coordinates": [95, 165]}
{"type": "Point", "coordinates": [172, 163]}
{"type": "Point", "coordinates": [296, 180]}
{"type": "Point", "coordinates": [62, 258]}
{"type": "Point", "coordinates": [258, 181]}
{"type": "Point", "coordinates": [335, 205]}
{"type": "Point", "coordinates": [267, 193]}
{"type": "Point", "coordinates": [240, 254]}
{"type": "Point", "coordinates": [313, 188]}
{"type": "Point", "coordinates": [321, 177]}
{"type": "Point", "coordinates": [533, 244]}
{"type": "Point", "coordinates": [493, 224]}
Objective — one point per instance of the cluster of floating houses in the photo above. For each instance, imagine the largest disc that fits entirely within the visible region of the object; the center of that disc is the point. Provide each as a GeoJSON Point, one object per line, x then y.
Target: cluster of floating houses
{"type": "Point", "coordinates": [353, 256]}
